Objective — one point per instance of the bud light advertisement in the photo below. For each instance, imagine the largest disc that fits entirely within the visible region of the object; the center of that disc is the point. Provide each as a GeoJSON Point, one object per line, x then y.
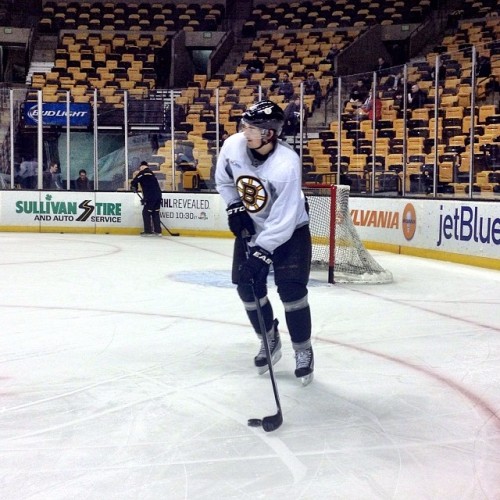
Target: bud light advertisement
{"type": "Point", "coordinates": [54, 113]}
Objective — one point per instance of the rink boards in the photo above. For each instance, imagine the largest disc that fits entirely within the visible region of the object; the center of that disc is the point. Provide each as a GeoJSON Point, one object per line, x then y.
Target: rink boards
{"type": "Point", "coordinates": [456, 230]}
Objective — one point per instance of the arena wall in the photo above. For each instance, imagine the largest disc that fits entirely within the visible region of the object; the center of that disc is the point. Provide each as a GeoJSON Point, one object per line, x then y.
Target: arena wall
{"type": "Point", "coordinates": [463, 231]}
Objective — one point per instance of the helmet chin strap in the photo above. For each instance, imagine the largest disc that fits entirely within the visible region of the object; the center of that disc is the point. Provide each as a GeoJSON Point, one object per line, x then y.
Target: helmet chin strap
{"type": "Point", "coordinates": [256, 156]}
{"type": "Point", "coordinates": [263, 142]}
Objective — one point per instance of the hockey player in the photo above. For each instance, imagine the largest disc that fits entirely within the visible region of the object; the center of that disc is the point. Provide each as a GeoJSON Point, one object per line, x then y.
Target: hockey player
{"type": "Point", "coordinates": [151, 200]}
{"type": "Point", "coordinates": [259, 178]}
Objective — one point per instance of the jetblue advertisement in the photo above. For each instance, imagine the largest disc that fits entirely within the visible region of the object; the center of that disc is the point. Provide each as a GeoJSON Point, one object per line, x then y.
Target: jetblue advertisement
{"type": "Point", "coordinates": [453, 227]}
{"type": "Point", "coordinates": [54, 113]}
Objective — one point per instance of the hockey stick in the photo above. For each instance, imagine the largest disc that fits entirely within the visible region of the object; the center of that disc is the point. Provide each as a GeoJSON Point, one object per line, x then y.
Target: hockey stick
{"type": "Point", "coordinates": [161, 222]}
{"type": "Point", "coordinates": [272, 422]}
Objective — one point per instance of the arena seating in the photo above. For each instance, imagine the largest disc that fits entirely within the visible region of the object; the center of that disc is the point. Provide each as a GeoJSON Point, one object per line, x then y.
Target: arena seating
{"type": "Point", "coordinates": [169, 16]}
{"type": "Point", "coordinates": [319, 14]}
{"type": "Point", "coordinates": [454, 115]}
{"type": "Point", "coordinates": [110, 47]}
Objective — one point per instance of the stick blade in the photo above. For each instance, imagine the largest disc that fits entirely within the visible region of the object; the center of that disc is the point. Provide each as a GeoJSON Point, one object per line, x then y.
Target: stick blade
{"type": "Point", "coordinates": [273, 422]}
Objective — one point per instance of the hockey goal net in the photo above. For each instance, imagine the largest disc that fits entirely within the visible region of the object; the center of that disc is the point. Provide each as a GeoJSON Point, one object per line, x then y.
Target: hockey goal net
{"type": "Point", "coordinates": [337, 248]}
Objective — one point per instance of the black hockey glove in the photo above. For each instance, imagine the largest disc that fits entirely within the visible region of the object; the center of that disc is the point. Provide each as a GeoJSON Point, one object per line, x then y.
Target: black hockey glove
{"type": "Point", "coordinates": [143, 201]}
{"type": "Point", "coordinates": [238, 219]}
{"type": "Point", "coordinates": [256, 267]}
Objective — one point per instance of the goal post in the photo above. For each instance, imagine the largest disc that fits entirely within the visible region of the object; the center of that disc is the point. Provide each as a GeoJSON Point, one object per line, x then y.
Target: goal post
{"type": "Point", "coordinates": [336, 246]}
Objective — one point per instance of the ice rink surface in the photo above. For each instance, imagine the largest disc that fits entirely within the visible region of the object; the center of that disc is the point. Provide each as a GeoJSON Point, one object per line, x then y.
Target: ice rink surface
{"type": "Point", "coordinates": [126, 372]}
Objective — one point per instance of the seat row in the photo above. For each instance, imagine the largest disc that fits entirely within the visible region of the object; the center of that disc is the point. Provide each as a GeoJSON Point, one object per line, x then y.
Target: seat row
{"type": "Point", "coordinates": [109, 62]}
{"type": "Point", "coordinates": [130, 16]}
{"type": "Point", "coordinates": [332, 14]}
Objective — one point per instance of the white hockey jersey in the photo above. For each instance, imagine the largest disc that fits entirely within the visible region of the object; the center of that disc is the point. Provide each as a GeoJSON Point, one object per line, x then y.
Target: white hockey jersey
{"type": "Point", "coordinates": [270, 191]}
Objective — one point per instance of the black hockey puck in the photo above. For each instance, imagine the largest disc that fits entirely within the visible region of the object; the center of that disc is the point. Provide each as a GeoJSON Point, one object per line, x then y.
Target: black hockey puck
{"type": "Point", "coordinates": [255, 422]}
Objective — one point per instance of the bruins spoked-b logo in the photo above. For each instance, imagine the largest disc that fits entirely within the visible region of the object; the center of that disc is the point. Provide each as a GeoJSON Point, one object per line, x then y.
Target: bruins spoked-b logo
{"type": "Point", "coordinates": [252, 193]}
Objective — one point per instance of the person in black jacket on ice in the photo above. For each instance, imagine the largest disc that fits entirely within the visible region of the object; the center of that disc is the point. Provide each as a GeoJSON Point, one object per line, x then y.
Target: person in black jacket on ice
{"type": "Point", "coordinates": [151, 199]}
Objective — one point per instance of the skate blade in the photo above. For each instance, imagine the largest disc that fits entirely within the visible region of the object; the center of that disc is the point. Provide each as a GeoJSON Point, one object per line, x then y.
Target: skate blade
{"type": "Point", "coordinates": [307, 379]}
{"type": "Point", "coordinates": [263, 369]}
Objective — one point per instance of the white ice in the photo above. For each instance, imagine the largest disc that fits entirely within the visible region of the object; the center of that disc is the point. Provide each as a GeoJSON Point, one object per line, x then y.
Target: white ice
{"type": "Point", "coordinates": [126, 372]}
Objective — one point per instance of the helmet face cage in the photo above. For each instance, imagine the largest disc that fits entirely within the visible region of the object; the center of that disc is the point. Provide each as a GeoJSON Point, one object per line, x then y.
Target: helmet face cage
{"type": "Point", "coordinates": [265, 115]}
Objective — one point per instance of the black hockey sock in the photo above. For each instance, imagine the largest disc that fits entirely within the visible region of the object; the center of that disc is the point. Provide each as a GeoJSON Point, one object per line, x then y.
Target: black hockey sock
{"type": "Point", "coordinates": [299, 324]}
{"type": "Point", "coordinates": [267, 313]}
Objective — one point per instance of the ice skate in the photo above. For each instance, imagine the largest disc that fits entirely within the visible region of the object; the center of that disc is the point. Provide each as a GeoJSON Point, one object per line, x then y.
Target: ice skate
{"type": "Point", "coordinates": [274, 347]}
{"type": "Point", "coordinates": [304, 365]}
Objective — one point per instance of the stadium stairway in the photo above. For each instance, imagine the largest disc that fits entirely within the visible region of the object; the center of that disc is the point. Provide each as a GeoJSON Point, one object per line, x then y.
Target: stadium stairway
{"type": "Point", "coordinates": [43, 56]}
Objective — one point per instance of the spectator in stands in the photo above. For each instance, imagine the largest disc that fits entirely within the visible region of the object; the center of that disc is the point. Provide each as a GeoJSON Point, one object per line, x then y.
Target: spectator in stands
{"type": "Point", "coordinates": [254, 66]}
{"type": "Point", "coordinates": [292, 116]}
{"type": "Point", "coordinates": [394, 81]}
{"type": "Point", "coordinates": [28, 171]}
{"type": "Point", "coordinates": [82, 182]}
{"type": "Point", "coordinates": [382, 67]}
{"type": "Point", "coordinates": [492, 85]}
{"type": "Point", "coordinates": [155, 144]}
{"type": "Point", "coordinates": [483, 67]}
{"type": "Point", "coordinates": [453, 20]}
{"type": "Point", "coordinates": [313, 87]}
{"type": "Point", "coordinates": [151, 199]}
{"type": "Point", "coordinates": [273, 76]}
{"type": "Point", "coordinates": [359, 93]}
{"type": "Point", "coordinates": [385, 75]}
{"type": "Point", "coordinates": [162, 64]}
{"type": "Point", "coordinates": [398, 96]}
{"type": "Point", "coordinates": [365, 112]}
{"type": "Point", "coordinates": [332, 54]}
{"type": "Point", "coordinates": [224, 135]}
{"type": "Point", "coordinates": [283, 87]}
{"type": "Point", "coordinates": [179, 115]}
{"type": "Point", "coordinates": [52, 179]}
{"type": "Point", "coordinates": [441, 73]}
{"type": "Point", "coordinates": [399, 82]}
{"type": "Point", "coordinates": [416, 98]}
{"type": "Point", "coordinates": [484, 74]}
{"type": "Point", "coordinates": [427, 180]}
{"type": "Point", "coordinates": [184, 162]}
